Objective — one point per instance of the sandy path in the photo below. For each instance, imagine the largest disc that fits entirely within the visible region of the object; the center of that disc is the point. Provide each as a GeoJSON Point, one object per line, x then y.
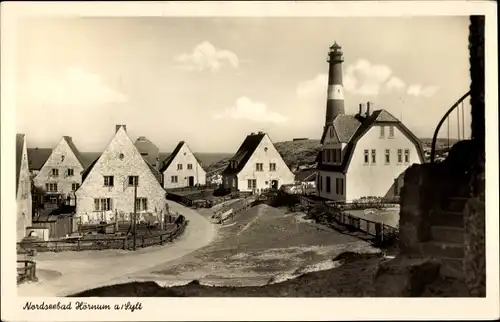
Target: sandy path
{"type": "Point", "coordinates": [83, 270]}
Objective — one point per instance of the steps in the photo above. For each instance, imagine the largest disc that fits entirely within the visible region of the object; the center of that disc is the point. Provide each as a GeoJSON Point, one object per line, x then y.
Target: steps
{"type": "Point", "coordinates": [447, 218]}
{"type": "Point", "coordinates": [440, 249]}
{"type": "Point", "coordinates": [452, 267]}
{"type": "Point", "coordinates": [453, 234]}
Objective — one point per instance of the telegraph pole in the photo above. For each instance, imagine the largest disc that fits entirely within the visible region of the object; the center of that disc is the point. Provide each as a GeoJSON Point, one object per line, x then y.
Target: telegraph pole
{"type": "Point", "coordinates": [134, 225]}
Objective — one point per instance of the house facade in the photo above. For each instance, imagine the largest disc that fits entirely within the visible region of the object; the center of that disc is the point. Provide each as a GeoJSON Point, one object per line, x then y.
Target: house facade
{"type": "Point", "coordinates": [256, 165]}
{"type": "Point", "coordinates": [61, 174]}
{"type": "Point", "coordinates": [107, 190]}
{"type": "Point", "coordinates": [363, 154]}
{"type": "Point", "coordinates": [182, 169]}
{"type": "Point", "coordinates": [23, 188]}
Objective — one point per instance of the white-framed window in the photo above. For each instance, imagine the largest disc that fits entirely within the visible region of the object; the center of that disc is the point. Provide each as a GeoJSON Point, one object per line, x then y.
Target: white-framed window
{"type": "Point", "coordinates": [272, 166]}
{"type": "Point", "coordinates": [339, 186]}
{"type": "Point", "coordinates": [374, 156]}
{"type": "Point", "coordinates": [190, 166]}
{"type": "Point", "coordinates": [252, 183]}
{"type": "Point", "coordinates": [366, 156]}
{"type": "Point", "coordinates": [259, 167]}
{"type": "Point", "coordinates": [407, 155]}
{"type": "Point", "coordinates": [103, 204]}
{"type": "Point", "coordinates": [179, 167]}
{"type": "Point", "coordinates": [133, 180]}
{"type": "Point", "coordinates": [70, 172]}
{"type": "Point", "coordinates": [391, 131]}
{"type": "Point", "coordinates": [174, 179]}
{"type": "Point", "coordinates": [387, 156]}
{"type": "Point", "coordinates": [141, 204]}
{"type": "Point", "coordinates": [382, 131]}
{"type": "Point", "coordinates": [75, 186]}
{"type": "Point", "coordinates": [55, 172]}
{"type": "Point", "coordinates": [51, 187]}
{"type": "Point", "coordinates": [400, 156]}
{"type": "Point", "coordinates": [109, 181]}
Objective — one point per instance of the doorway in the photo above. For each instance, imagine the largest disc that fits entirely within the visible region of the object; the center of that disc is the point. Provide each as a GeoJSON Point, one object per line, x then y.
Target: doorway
{"type": "Point", "coordinates": [274, 184]}
{"type": "Point", "coordinates": [191, 181]}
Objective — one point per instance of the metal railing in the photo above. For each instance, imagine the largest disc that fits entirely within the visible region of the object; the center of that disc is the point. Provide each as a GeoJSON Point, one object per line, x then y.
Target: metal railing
{"type": "Point", "coordinates": [443, 119]}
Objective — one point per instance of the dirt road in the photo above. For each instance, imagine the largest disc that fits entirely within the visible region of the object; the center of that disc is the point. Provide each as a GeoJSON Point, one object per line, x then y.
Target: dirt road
{"type": "Point", "coordinates": [66, 273]}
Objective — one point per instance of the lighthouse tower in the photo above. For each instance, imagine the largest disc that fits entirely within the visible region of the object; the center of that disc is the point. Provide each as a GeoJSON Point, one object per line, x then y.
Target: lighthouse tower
{"type": "Point", "coordinates": [335, 97]}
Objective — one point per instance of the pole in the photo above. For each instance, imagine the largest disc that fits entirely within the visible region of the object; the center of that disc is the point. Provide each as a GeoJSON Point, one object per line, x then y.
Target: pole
{"type": "Point", "coordinates": [458, 122]}
{"type": "Point", "coordinates": [463, 122]}
{"type": "Point", "coordinates": [134, 225]}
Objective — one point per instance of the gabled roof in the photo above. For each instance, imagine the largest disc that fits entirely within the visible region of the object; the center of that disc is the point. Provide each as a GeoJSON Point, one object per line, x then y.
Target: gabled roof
{"type": "Point", "coordinates": [377, 117]}
{"type": "Point", "coordinates": [37, 157]}
{"type": "Point", "coordinates": [244, 153]}
{"type": "Point", "coordinates": [155, 172]}
{"type": "Point", "coordinates": [75, 151]}
{"type": "Point", "coordinates": [19, 156]}
{"type": "Point", "coordinates": [144, 145]}
{"type": "Point", "coordinates": [345, 126]}
{"type": "Point", "coordinates": [166, 163]}
{"type": "Point", "coordinates": [306, 175]}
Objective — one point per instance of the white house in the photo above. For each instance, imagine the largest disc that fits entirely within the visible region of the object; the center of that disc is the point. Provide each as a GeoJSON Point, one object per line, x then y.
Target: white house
{"type": "Point", "coordinates": [23, 187]}
{"type": "Point", "coordinates": [256, 165]}
{"type": "Point", "coordinates": [107, 190]}
{"type": "Point", "coordinates": [61, 174]}
{"type": "Point", "coordinates": [365, 155]}
{"type": "Point", "coordinates": [182, 169]}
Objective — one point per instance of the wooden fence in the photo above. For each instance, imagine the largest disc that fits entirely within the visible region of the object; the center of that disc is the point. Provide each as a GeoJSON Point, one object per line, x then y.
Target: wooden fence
{"type": "Point", "coordinates": [100, 243]}
{"type": "Point", "coordinates": [194, 188]}
{"type": "Point", "coordinates": [201, 201]}
{"type": "Point", "coordinates": [379, 230]}
{"type": "Point", "coordinates": [26, 271]}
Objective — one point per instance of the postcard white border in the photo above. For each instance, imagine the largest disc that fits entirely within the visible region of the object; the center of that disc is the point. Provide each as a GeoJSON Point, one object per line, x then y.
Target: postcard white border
{"type": "Point", "coordinates": [248, 309]}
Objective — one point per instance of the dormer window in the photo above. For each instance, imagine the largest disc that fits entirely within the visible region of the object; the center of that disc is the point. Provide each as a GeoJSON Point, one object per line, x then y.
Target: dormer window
{"type": "Point", "coordinates": [234, 164]}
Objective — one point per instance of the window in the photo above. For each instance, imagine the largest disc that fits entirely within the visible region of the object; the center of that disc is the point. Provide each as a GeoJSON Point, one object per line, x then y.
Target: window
{"type": "Point", "coordinates": [328, 184]}
{"type": "Point", "coordinates": [400, 156]}
{"type": "Point", "coordinates": [133, 180]}
{"type": "Point", "coordinates": [407, 155]}
{"type": "Point", "coordinates": [144, 154]}
{"type": "Point", "coordinates": [141, 204]}
{"type": "Point", "coordinates": [366, 157]}
{"type": "Point", "coordinates": [190, 166]}
{"type": "Point", "coordinates": [55, 172]}
{"type": "Point", "coordinates": [382, 131]}
{"type": "Point", "coordinates": [339, 186]}
{"type": "Point", "coordinates": [173, 179]}
{"type": "Point", "coordinates": [70, 172]}
{"type": "Point", "coordinates": [320, 183]}
{"type": "Point", "coordinates": [109, 181]}
{"type": "Point", "coordinates": [337, 155]}
{"type": "Point", "coordinates": [75, 186]}
{"type": "Point", "coordinates": [391, 131]}
{"type": "Point", "coordinates": [252, 183]}
{"type": "Point", "coordinates": [179, 167]}
{"type": "Point", "coordinates": [234, 164]}
{"type": "Point", "coordinates": [51, 187]}
{"type": "Point", "coordinates": [272, 166]}
{"type": "Point", "coordinates": [387, 156]}
{"type": "Point", "coordinates": [259, 167]}
{"type": "Point", "coordinates": [374, 156]}
{"type": "Point", "coordinates": [102, 204]}
{"type": "Point", "coordinates": [328, 155]}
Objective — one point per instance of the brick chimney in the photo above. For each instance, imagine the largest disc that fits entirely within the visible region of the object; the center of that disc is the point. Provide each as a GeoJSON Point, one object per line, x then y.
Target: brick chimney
{"type": "Point", "coordinates": [368, 108]}
{"type": "Point", "coordinates": [360, 109]}
{"type": "Point", "coordinates": [117, 127]}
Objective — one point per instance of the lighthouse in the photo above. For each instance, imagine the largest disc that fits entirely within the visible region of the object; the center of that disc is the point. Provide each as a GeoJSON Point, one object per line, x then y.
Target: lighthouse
{"type": "Point", "coordinates": [335, 96]}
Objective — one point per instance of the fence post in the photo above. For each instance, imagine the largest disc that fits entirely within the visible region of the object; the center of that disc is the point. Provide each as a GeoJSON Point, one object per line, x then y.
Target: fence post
{"type": "Point", "coordinates": [78, 245]}
{"type": "Point", "coordinates": [125, 243]}
{"type": "Point", "coordinates": [143, 241]}
{"type": "Point", "coordinates": [378, 232]}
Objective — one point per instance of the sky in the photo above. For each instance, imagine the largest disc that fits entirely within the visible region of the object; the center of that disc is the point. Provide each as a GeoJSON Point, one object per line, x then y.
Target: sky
{"type": "Point", "coordinates": [211, 81]}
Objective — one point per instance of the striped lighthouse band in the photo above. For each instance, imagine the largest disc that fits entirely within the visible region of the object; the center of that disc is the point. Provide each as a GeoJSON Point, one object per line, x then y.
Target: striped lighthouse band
{"type": "Point", "coordinates": [335, 92]}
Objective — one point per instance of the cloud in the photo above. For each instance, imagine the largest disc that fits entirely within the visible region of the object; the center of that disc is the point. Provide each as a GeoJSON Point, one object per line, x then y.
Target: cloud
{"type": "Point", "coordinates": [365, 79]}
{"type": "Point", "coordinates": [314, 87]}
{"type": "Point", "coordinates": [420, 90]}
{"type": "Point", "coordinates": [206, 57]}
{"type": "Point", "coordinates": [246, 109]}
{"type": "Point", "coordinates": [75, 87]}
{"type": "Point", "coordinates": [395, 83]}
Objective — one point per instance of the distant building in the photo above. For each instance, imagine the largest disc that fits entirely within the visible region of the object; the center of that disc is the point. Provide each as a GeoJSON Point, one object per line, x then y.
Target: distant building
{"type": "Point", "coordinates": [61, 174]}
{"type": "Point", "coordinates": [149, 151]}
{"type": "Point", "coordinates": [256, 165]}
{"type": "Point", "coordinates": [364, 154]}
{"type": "Point", "coordinates": [182, 168]}
{"type": "Point", "coordinates": [23, 187]}
{"type": "Point", "coordinates": [108, 184]}
{"type": "Point", "coordinates": [300, 139]}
